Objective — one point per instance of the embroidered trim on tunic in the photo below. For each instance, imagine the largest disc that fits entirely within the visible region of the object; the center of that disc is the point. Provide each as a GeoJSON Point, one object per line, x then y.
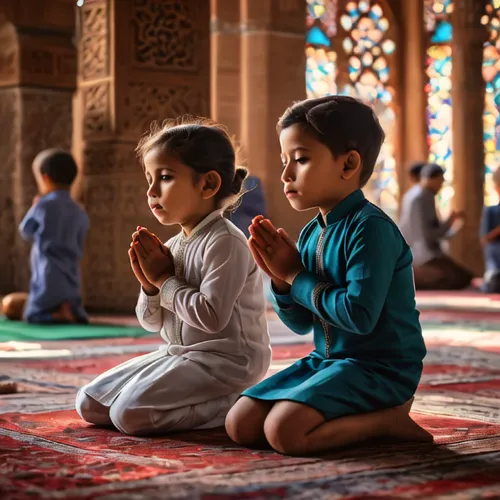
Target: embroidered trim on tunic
{"type": "Point", "coordinates": [149, 305]}
{"type": "Point", "coordinates": [320, 287]}
{"type": "Point", "coordinates": [173, 329]}
{"type": "Point", "coordinates": [168, 290]}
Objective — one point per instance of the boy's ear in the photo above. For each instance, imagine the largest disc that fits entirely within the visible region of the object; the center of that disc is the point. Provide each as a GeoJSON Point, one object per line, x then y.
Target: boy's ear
{"type": "Point", "coordinates": [352, 164]}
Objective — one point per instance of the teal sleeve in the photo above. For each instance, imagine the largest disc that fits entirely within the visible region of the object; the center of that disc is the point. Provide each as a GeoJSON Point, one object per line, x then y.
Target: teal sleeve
{"type": "Point", "coordinates": [298, 318]}
{"type": "Point", "coordinates": [373, 250]}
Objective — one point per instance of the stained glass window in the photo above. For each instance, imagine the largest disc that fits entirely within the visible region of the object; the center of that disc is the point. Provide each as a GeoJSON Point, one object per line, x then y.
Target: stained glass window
{"type": "Point", "coordinates": [368, 48]}
{"type": "Point", "coordinates": [439, 110]}
{"type": "Point", "coordinates": [491, 117]}
{"type": "Point", "coordinates": [321, 58]}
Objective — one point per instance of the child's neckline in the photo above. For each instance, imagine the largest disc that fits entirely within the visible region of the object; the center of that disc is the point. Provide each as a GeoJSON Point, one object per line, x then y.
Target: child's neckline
{"type": "Point", "coordinates": [211, 217]}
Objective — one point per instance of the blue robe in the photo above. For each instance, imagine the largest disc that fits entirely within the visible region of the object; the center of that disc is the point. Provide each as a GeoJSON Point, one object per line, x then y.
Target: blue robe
{"type": "Point", "coordinates": [357, 295]}
{"type": "Point", "coordinates": [489, 221]}
{"type": "Point", "coordinates": [57, 226]}
{"type": "Point", "coordinates": [252, 204]}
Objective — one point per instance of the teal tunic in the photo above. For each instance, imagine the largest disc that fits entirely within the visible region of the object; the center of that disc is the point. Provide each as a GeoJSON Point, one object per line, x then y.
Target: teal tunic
{"type": "Point", "coordinates": [357, 295]}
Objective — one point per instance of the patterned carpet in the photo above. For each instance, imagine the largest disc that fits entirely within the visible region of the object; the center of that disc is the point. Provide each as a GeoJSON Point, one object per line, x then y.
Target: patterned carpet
{"type": "Point", "coordinates": [47, 452]}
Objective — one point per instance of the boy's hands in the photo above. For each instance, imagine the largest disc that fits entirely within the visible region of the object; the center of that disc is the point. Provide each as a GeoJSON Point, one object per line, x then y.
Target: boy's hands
{"type": "Point", "coordinates": [151, 260]}
{"type": "Point", "coordinates": [275, 253]}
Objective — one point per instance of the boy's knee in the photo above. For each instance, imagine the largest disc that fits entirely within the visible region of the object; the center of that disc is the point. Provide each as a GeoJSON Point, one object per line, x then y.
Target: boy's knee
{"type": "Point", "coordinates": [13, 306]}
{"type": "Point", "coordinates": [241, 427]}
{"type": "Point", "coordinates": [282, 436]}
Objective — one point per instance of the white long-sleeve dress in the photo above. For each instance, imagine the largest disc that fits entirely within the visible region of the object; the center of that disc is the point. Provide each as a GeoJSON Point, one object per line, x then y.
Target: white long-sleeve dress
{"type": "Point", "coordinates": [211, 315]}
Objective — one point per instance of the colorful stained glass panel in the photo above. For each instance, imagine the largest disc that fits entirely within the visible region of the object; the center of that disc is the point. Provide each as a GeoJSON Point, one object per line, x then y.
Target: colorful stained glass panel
{"type": "Point", "coordinates": [439, 115]}
{"type": "Point", "coordinates": [321, 72]}
{"type": "Point", "coordinates": [491, 116]}
{"type": "Point", "coordinates": [326, 12]}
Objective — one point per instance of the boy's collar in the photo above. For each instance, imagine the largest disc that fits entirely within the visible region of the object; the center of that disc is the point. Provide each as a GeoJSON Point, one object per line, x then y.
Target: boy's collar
{"type": "Point", "coordinates": [342, 209]}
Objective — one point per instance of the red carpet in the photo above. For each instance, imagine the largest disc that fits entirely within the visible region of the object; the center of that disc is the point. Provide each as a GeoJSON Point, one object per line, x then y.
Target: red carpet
{"type": "Point", "coordinates": [47, 452]}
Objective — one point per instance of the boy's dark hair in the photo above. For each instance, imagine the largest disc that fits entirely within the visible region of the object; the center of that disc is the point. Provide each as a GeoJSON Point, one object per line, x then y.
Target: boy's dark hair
{"type": "Point", "coordinates": [343, 124]}
{"type": "Point", "coordinates": [203, 145]}
{"type": "Point", "coordinates": [431, 171]}
{"type": "Point", "coordinates": [58, 165]}
{"type": "Point", "coordinates": [415, 169]}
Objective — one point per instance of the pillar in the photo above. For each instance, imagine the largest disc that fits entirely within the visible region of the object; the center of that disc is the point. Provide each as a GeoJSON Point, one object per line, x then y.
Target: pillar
{"type": "Point", "coordinates": [272, 78]}
{"type": "Point", "coordinates": [468, 149]}
{"type": "Point", "coordinates": [37, 80]}
{"type": "Point", "coordinates": [139, 61]}
{"type": "Point", "coordinates": [225, 56]}
{"type": "Point", "coordinates": [414, 101]}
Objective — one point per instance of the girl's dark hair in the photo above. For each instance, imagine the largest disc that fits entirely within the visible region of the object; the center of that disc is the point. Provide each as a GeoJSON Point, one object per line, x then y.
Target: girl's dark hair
{"type": "Point", "coordinates": [343, 124]}
{"type": "Point", "coordinates": [203, 145]}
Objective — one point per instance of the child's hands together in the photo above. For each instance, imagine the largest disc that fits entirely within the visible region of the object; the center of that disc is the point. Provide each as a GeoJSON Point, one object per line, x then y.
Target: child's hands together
{"type": "Point", "coordinates": [151, 260]}
{"type": "Point", "coordinates": [275, 253]}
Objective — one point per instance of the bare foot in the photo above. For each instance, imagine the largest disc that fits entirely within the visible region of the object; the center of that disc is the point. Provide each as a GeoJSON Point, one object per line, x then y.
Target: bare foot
{"type": "Point", "coordinates": [64, 313]}
{"type": "Point", "coordinates": [8, 387]}
{"type": "Point", "coordinates": [404, 428]}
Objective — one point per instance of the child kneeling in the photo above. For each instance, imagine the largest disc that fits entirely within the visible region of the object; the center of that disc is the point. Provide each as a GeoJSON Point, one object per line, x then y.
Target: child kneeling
{"type": "Point", "coordinates": [202, 291]}
{"type": "Point", "coordinates": [350, 281]}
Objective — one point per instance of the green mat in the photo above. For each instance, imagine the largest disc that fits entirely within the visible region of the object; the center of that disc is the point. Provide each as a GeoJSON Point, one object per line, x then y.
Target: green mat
{"type": "Point", "coordinates": [19, 331]}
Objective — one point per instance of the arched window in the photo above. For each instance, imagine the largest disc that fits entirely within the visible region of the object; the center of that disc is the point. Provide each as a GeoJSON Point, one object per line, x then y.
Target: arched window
{"type": "Point", "coordinates": [438, 88]}
{"type": "Point", "coordinates": [360, 66]}
{"type": "Point", "coordinates": [491, 117]}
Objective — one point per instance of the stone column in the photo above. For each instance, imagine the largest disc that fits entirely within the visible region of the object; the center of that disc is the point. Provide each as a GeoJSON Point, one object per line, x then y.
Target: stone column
{"type": "Point", "coordinates": [273, 76]}
{"type": "Point", "coordinates": [468, 149]}
{"type": "Point", "coordinates": [37, 80]}
{"type": "Point", "coordinates": [225, 81]}
{"type": "Point", "coordinates": [139, 61]}
{"type": "Point", "coordinates": [412, 60]}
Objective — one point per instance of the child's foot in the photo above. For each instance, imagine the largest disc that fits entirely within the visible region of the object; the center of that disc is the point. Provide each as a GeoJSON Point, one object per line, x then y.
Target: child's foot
{"type": "Point", "coordinates": [404, 428]}
{"type": "Point", "coordinates": [8, 387]}
{"type": "Point", "coordinates": [64, 314]}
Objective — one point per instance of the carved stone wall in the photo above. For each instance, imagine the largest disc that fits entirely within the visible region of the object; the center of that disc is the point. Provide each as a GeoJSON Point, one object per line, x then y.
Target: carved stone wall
{"type": "Point", "coordinates": [37, 79]}
{"type": "Point", "coordinates": [9, 108]}
{"type": "Point", "coordinates": [153, 64]}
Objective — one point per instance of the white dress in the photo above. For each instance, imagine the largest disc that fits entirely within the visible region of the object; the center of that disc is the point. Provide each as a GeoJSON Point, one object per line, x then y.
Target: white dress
{"type": "Point", "coordinates": [212, 318]}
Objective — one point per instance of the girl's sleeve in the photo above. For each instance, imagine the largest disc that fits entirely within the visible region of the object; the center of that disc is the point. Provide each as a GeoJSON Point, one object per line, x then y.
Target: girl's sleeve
{"type": "Point", "coordinates": [226, 266]}
{"type": "Point", "coordinates": [149, 312]}
{"type": "Point", "coordinates": [373, 251]}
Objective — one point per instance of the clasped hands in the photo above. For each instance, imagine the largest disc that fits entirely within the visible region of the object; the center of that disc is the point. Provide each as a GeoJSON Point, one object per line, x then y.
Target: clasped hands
{"type": "Point", "coordinates": [275, 253]}
{"type": "Point", "coordinates": [151, 260]}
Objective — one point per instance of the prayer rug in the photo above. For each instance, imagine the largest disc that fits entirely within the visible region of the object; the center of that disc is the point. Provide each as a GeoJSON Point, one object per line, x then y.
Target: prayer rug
{"type": "Point", "coordinates": [46, 451]}
{"type": "Point", "coordinates": [20, 331]}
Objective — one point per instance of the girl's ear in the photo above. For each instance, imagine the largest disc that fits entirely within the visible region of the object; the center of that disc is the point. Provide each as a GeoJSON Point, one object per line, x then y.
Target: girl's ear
{"type": "Point", "coordinates": [211, 184]}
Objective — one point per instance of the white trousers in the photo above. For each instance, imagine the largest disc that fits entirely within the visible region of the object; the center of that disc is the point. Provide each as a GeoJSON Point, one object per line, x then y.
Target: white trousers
{"type": "Point", "coordinates": [140, 421]}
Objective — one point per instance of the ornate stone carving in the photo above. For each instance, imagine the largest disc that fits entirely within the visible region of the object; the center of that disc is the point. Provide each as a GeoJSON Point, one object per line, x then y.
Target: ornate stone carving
{"type": "Point", "coordinates": [8, 53]}
{"type": "Point", "coordinates": [145, 103]}
{"type": "Point", "coordinates": [94, 40]}
{"type": "Point", "coordinates": [96, 109]}
{"type": "Point", "coordinates": [110, 157]}
{"type": "Point", "coordinates": [164, 35]}
{"type": "Point", "coordinates": [9, 113]}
